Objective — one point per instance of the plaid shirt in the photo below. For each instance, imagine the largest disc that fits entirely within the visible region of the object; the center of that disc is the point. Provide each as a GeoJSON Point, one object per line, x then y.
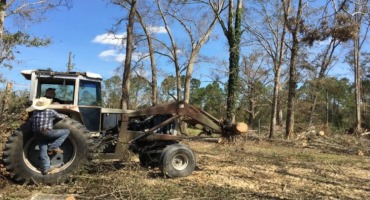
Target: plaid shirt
{"type": "Point", "coordinates": [43, 119]}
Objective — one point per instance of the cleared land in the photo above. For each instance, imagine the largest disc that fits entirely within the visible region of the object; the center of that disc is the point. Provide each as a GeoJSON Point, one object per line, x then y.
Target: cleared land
{"type": "Point", "coordinates": [335, 167]}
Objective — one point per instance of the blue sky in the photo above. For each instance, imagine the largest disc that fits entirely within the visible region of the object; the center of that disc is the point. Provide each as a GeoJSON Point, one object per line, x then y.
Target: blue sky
{"type": "Point", "coordinates": [72, 30]}
{"type": "Point", "coordinates": [82, 30]}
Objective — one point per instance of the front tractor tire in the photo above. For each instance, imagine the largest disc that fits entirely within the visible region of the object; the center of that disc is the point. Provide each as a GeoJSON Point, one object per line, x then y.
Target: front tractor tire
{"type": "Point", "coordinates": [177, 160]}
{"type": "Point", "coordinates": [21, 154]}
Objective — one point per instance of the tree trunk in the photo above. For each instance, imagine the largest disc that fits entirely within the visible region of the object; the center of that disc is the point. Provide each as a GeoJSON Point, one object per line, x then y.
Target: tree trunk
{"type": "Point", "coordinates": [129, 50]}
{"type": "Point", "coordinates": [152, 60]}
{"type": "Point", "coordinates": [5, 101]}
{"type": "Point", "coordinates": [327, 109]}
{"type": "Point", "coordinates": [274, 109]}
{"type": "Point", "coordinates": [275, 115]}
{"type": "Point", "coordinates": [293, 77]}
{"type": "Point", "coordinates": [232, 82]}
{"type": "Point", "coordinates": [189, 74]}
{"type": "Point", "coordinates": [233, 36]}
{"type": "Point", "coordinates": [2, 17]}
{"type": "Point", "coordinates": [313, 108]}
{"type": "Point", "coordinates": [357, 83]}
{"type": "Point", "coordinates": [280, 107]}
{"type": "Point", "coordinates": [358, 14]}
{"type": "Point", "coordinates": [328, 55]}
{"type": "Point", "coordinates": [154, 74]}
{"type": "Point", "coordinates": [173, 53]}
{"type": "Point", "coordinates": [251, 104]}
{"type": "Point", "coordinates": [193, 56]}
{"type": "Point", "coordinates": [294, 29]}
{"type": "Point", "coordinates": [178, 82]}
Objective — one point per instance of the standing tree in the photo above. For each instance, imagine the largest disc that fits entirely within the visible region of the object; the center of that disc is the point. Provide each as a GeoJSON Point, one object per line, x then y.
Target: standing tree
{"type": "Point", "coordinates": [213, 99]}
{"type": "Point", "coordinates": [357, 12]}
{"type": "Point", "coordinates": [197, 28]}
{"type": "Point", "coordinates": [173, 49]}
{"type": "Point", "coordinates": [112, 92]}
{"type": "Point", "coordinates": [360, 10]}
{"type": "Point", "coordinates": [334, 28]}
{"type": "Point", "coordinates": [153, 67]}
{"type": "Point", "coordinates": [168, 89]}
{"type": "Point", "coordinates": [146, 16]}
{"type": "Point", "coordinates": [269, 32]}
{"type": "Point", "coordinates": [139, 92]}
{"type": "Point", "coordinates": [255, 76]}
{"type": "Point", "coordinates": [294, 26]}
{"type": "Point", "coordinates": [129, 51]}
{"type": "Point", "coordinates": [233, 33]}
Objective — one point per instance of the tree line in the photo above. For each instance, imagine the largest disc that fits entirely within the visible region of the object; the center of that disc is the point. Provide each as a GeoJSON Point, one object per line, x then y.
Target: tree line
{"type": "Point", "coordinates": [282, 56]}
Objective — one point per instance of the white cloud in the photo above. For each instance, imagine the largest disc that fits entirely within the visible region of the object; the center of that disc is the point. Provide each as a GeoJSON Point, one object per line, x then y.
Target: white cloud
{"type": "Point", "coordinates": [112, 55]}
{"type": "Point", "coordinates": [119, 57]}
{"type": "Point", "coordinates": [118, 40]}
{"type": "Point", "coordinates": [108, 53]}
{"type": "Point", "coordinates": [111, 39]}
{"type": "Point", "coordinates": [157, 29]}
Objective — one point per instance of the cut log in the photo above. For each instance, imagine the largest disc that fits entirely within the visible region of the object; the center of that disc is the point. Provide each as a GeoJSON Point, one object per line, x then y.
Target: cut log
{"type": "Point", "coordinates": [240, 127]}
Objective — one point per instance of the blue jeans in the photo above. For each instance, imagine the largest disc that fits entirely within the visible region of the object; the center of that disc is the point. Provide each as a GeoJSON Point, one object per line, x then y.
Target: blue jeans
{"type": "Point", "coordinates": [53, 137]}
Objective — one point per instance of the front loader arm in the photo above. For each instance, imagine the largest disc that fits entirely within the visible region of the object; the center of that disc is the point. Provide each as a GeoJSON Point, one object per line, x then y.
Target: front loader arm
{"type": "Point", "coordinates": [190, 114]}
{"type": "Point", "coordinates": [139, 135]}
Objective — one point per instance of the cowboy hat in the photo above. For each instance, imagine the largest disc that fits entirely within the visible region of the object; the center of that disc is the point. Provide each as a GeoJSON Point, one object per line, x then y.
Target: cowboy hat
{"type": "Point", "coordinates": [39, 104]}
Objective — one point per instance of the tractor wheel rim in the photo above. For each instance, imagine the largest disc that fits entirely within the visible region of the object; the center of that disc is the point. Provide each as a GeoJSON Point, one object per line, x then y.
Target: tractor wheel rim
{"type": "Point", "coordinates": [33, 162]}
{"type": "Point", "coordinates": [180, 162]}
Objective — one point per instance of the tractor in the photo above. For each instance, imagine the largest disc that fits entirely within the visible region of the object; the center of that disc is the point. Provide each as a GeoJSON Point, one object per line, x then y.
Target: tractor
{"type": "Point", "coordinates": [153, 133]}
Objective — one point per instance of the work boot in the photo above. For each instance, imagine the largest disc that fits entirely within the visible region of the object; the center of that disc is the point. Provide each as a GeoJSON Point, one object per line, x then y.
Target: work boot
{"type": "Point", "coordinates": [55, 151]}
{"type": "Point", "coordinates": [51, 170]}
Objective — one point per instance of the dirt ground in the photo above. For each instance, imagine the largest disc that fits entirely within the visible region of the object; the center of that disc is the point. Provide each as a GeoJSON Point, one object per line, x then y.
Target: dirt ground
{"type": "Point", "coordinates": [319, 168]}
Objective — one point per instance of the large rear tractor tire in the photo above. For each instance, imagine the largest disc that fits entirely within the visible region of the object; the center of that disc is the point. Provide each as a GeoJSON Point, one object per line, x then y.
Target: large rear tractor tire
{"type": "Point", "coordinates": [21, 154]}
{"type": "Point", "coordinates": [177, 160]}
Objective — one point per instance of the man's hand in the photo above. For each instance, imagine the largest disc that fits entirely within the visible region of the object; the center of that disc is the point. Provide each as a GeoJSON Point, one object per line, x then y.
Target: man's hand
{"type": "Point", "coordinates": [64, 116]}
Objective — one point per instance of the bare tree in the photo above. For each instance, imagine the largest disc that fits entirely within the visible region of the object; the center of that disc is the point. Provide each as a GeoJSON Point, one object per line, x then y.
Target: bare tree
{"type": "Point", "coordinates": [198, 28]}
{"type": "Point", "coordinates": [294, 25]}
{"type": "Point", "coordinates": [173, 49]}
{"type": "Point", "coordinates": [144, 15]}
{"type": "Point", "coordinates": [255, 76]}
{"type": "Point", "coordinates": [269, 32]}
{"type": "Point", "coordinates": [358, 14]}
{"type": "Point", "coordinates": [325, 59]}
{"type": "Point", "coordinates": [198, 36]}
{"type": "Point", "coordinates": [129, 51]}
{"type": "Point", "coordinates": [153, 66]}
{"type": "Point", "coordinates": [360, 10]}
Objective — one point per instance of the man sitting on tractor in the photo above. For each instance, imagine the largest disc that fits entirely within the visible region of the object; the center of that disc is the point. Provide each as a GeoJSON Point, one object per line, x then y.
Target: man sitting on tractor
{"type": "Point", "coordinates": [50, 94]}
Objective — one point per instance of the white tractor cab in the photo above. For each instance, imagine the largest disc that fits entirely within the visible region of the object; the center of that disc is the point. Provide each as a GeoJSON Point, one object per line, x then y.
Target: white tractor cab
{"type": "Point", "coordinates": [152, 133]}
{"type": "Point", "coordinates": [79, 94]}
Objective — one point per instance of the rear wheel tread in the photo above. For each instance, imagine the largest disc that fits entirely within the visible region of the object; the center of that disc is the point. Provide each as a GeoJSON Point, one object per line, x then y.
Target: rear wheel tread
{"type": "Point", "coordinates": [16, 164]}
